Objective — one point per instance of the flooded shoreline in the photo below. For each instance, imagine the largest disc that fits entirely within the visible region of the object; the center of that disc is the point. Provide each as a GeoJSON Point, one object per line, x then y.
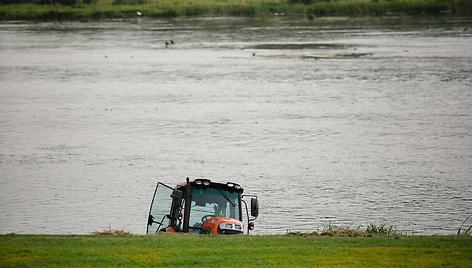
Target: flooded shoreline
{"type": "Point", "coordinates": [94, 115]}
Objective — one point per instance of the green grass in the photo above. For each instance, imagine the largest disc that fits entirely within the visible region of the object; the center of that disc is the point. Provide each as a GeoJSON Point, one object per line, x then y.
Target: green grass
{"type": "Point", "coordinates": [82, 10]}
{"type": "Point", "coordinates": [233, 251]}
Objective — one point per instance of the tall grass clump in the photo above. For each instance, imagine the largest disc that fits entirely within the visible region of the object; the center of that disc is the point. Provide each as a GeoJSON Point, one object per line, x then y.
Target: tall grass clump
{"type": "Point", "coordinates": [334, 230]}
{"type": "Point", "coordinates": [340, 231]}
{"type": "Point", "coordinates": [382, 229]}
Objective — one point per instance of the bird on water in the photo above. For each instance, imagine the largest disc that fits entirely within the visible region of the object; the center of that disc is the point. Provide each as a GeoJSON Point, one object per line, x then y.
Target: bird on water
{"type": "Point", "coordinates": [167, 43]}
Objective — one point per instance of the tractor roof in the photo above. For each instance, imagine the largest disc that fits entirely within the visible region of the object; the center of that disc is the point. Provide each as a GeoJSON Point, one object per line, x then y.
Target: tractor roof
{"type": "Point", "coordinates": [231, 186]}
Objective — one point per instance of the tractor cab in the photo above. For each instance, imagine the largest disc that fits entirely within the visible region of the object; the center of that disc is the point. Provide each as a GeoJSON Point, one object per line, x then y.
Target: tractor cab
{"type": "Point", "coordinates": [201, 206]}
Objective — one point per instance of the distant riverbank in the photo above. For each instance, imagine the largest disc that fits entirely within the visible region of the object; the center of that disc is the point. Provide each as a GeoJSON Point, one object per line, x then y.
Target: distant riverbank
{"type": "Point", "coordinates": [85, 10]}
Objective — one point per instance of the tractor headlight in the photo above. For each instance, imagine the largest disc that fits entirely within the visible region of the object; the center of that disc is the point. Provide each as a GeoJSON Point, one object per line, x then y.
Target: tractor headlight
{"type": "Point", "coordinates": [201, 182]}
{"type": "Point", "coordinates": [233, 185]}
{"type": "Point", "coordinates": [230, 226]}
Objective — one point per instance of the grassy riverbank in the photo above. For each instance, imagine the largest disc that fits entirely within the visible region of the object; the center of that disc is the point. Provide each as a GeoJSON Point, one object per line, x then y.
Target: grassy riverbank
{"type": "Point", "coordinates": [83, 10]}
{"type": "Point", "coordinates": [234, 251]}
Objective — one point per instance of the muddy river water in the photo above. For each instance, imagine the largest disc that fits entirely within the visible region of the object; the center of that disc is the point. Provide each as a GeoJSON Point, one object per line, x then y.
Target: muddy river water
{"type": "Point", "coordinates": [344, 120]}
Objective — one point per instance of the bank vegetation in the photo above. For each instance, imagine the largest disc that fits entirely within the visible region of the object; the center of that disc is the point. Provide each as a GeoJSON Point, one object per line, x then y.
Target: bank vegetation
{"type": "Point", "coordinates": [85, 10]}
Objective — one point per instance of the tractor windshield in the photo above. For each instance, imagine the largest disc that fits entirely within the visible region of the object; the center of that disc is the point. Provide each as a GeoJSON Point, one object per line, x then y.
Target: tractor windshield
{"type": "Point", "coordinates": [212, 202]}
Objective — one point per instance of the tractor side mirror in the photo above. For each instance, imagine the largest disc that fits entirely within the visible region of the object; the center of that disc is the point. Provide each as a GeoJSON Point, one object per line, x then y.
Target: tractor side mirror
{"type": "Point", "coordinates": [254, 207]}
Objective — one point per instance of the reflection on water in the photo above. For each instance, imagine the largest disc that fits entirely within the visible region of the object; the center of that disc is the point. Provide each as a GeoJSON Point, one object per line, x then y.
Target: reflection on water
{"type": "Point", "coordinates": [353, 121]}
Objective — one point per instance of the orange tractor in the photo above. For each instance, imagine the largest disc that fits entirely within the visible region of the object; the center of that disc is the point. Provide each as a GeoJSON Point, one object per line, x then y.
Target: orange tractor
{"type": "Point", "coordinates": [200, 206]}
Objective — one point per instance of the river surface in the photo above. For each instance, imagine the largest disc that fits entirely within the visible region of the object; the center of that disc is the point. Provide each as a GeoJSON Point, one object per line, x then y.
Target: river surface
{"type": "Point", "coordinates": [344, 120]}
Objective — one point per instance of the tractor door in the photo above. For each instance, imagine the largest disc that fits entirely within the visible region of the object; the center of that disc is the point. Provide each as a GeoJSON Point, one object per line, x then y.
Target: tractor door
{"type": "Point", "coordinates": [160, 209]}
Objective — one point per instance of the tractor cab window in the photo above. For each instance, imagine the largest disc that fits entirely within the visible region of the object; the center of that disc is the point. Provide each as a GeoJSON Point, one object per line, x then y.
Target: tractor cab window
{"type": "Point", "coordinates": [211, 202]}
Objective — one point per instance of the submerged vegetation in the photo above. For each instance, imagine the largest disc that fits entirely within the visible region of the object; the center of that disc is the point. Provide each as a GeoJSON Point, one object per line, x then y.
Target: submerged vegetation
{"type": "Point", "coordinates": [126, 9]}
{"type": "Point", "coordinates": [238, 251]}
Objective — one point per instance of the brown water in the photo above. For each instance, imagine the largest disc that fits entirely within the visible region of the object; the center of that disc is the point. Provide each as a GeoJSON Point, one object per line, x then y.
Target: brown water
{"type": "Point", "coordinates": [348, 120]}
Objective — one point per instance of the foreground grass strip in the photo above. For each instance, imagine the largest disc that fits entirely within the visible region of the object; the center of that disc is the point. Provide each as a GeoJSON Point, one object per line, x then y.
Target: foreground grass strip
{"type": "Point", "coordinates": [217, 251]}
